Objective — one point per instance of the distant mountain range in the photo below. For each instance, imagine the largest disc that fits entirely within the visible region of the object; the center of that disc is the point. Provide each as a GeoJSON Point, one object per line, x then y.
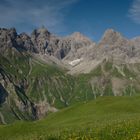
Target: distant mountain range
{"type": "Point", "coordinates": [43, 73]}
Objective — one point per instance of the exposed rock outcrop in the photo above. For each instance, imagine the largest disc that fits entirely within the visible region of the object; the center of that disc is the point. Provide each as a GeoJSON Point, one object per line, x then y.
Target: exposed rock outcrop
{"type": "Point", "coordinates": [10, 40]}
{"type": "Point", "coordinates": [40, 38]}
{"type": "Point", "coordinates": [114, 47]}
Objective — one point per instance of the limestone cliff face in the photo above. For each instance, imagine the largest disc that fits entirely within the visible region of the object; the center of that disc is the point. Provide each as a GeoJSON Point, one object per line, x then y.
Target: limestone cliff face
{"type": "Point", "coordinates": [43, 42]}
{"type": "Point", "coordinates": [70, 47]}
{"type": "Point", "coordinates": [60, 47]}
{"type": "Point", "coordinates": [114, 46]}
{"type": "Point", "coordinates": [40, 38]}
{"type": "Point", "coordinates": [112, 37]}
{"type": "Point", "coordinates": [9, 39]}
{"type": "Point", "coordinates": [79, 46]}
{"type": "Point", "coordinates": [76, 46]}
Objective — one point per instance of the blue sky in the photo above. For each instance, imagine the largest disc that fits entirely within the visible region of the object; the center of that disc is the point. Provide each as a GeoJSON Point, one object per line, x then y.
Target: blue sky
{"type": "Point", "coordinates": [63, 17]}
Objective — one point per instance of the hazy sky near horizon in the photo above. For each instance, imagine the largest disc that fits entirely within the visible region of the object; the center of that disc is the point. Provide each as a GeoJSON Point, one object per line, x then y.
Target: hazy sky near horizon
{"type": "Point", "coordinates": [63, 17]}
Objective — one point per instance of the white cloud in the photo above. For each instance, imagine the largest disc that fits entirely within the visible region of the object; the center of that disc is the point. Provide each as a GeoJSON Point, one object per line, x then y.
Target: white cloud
{"type": "Point", "coordinates": [134, 12]}
{"type": "Point", "coordinates": [34, 13]}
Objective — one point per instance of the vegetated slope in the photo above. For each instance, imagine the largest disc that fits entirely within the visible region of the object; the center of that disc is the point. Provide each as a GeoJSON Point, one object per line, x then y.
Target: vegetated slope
{"type": "Point", "coordinates": [106, 118]}
{"type": "Point", "coordinates": [30, 88]}
{"type": "Point", "coordinates": [118, 80]}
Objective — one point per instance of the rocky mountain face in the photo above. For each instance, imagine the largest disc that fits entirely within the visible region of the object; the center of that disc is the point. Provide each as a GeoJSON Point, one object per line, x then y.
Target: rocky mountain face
{"type": "Point", "coordinates": [43, 73]}
{"type": "Point", "coordinates": [40, 39]}
{"type": "Point", "coordinates": [121, 51]}
{"type": "Point", "coordinates": [43, 42]}
{"type": "Point", "coordinates": [112, 47]}
{"type": "Point", "coordinates": [60, 47]}
{"type": "Point", "coordinates": [9, 39]}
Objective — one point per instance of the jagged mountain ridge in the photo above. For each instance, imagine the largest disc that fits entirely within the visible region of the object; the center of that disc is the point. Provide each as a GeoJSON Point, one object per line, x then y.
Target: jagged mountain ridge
{"type": "Point", "coordinates": [75, 48]}
{"type": "Point", "coordinates": [59, 47]}
{"type": "Point", "coordinates": [34, 71]}
{"type": "Point", "coordinates": [112, 47]}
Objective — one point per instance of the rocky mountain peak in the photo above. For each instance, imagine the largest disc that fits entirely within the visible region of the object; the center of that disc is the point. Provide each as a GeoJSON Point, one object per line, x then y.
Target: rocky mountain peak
{"type": "Point", "coordinates": [80, 37]}
{"type": "Point", "coordinates": [11, 33]}
{"type": "Point", "coordinates": [40, 38]}
{"type": "Point", "coordinates": [111, 37]}
{"type": "Point", "coordinates": [112, 32]}
{"type": "Point", "coordinates": [27, 43]}
{"type": "Point", "coordinates": [10, 40]}
{"type": "Point", "coordinates": [7, 39]}
{"type": "Point", "coordinates": [40, 33]}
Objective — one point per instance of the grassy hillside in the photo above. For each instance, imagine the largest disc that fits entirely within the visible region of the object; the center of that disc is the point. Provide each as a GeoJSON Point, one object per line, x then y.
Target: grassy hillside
{"type": "Point", "coordinates": [107, 118]}
{"type": "Point", "coordinates": [109, 79]}
{"type": "Point", "coordinates": [31, 89]}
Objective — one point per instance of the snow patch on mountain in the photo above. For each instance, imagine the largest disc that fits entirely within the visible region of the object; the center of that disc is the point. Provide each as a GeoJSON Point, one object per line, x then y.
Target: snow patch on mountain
{"type": "Point", "coordinates": [75, 62]}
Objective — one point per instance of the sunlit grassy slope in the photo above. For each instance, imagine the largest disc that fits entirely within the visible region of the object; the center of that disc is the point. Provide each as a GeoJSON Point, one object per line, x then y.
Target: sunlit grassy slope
{"type": "Point", "coordinates": [107, 118]}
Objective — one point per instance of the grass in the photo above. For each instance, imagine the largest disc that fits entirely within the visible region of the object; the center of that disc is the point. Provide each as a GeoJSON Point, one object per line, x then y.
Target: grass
{"type": "Point", "coordinates": [107, 118]}
{"type": "Point", "coordinates": [56, 84]}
